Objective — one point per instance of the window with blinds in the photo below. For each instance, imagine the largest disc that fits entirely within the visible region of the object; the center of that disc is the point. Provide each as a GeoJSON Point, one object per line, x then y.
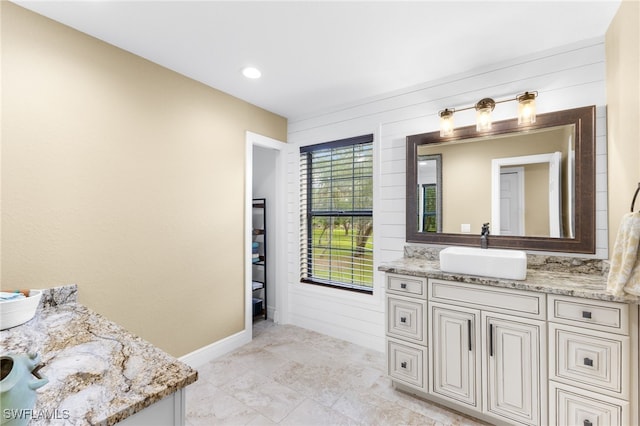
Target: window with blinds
{"type": "Point", "coordinates": [336, 220]}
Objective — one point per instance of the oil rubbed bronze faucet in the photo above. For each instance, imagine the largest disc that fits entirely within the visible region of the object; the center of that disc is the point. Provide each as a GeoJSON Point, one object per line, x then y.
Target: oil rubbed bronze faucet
{"type": "Point", "coordinates": [484, 236]}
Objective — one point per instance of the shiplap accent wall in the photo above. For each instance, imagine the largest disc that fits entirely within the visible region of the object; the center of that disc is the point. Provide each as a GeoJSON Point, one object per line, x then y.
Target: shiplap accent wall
{"type": "Point", "coordinates": [568, 77]}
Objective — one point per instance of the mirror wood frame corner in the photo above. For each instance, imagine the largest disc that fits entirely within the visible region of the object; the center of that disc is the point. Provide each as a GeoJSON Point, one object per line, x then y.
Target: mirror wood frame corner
{"type": "Point", "coordinates": [583, 120]}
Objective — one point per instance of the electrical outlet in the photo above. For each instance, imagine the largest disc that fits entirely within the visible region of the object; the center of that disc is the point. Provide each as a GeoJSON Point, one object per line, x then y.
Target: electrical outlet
{"type": "Point", "coordinates": [465, 228]}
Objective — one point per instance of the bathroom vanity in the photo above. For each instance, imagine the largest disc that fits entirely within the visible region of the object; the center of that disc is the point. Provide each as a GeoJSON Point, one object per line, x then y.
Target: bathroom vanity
{"type": "Point", "coordinates": [554, 349]}
{"type": "Point", "coordinates": [98, 373]}
{"type": "Point", "coordinates": [545, 344]}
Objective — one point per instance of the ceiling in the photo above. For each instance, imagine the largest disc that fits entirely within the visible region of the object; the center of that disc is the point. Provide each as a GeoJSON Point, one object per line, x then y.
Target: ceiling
{"type": "Point", "coordinates": [315, 56]}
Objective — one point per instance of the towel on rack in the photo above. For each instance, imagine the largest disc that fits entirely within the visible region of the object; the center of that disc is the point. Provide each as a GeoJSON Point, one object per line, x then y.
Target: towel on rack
{"type": "Point", "coordinates": [624, 275]}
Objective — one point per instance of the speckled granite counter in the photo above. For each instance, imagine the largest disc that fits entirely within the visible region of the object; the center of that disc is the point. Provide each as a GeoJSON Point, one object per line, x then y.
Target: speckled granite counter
{"type": "Point", "coordinates": [99, 373]}
{"type": "Point", "coordinates": [591, 286]}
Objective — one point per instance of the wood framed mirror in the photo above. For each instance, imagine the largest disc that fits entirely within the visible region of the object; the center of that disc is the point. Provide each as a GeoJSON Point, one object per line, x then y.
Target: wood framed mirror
{"type": "Point", "coordinates": [467, 185]}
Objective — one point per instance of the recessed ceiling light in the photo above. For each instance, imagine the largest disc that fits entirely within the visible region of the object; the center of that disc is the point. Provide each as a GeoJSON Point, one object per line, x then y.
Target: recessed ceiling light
{"type": "Point", "coordinates": [251, 72]}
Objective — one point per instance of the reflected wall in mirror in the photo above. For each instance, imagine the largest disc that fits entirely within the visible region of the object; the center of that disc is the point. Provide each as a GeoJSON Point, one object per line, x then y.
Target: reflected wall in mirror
{"type": "Point", "coordinates": [535, 185]}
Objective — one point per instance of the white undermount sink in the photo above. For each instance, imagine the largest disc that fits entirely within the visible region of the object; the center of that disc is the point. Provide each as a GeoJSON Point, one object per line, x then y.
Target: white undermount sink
{"type": "Point", "coordinates": [496, 263]}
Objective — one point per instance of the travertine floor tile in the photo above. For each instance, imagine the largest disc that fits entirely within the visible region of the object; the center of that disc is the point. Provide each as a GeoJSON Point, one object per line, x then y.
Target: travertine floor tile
{"type": "Point", "coordinates": [208, 405]}
{"type": "Point", "coordinates": [321, 383]}
{"type": "Point", "coordinates": [291, 376]}
{"type": "Point", "coordinates": [311, 413]}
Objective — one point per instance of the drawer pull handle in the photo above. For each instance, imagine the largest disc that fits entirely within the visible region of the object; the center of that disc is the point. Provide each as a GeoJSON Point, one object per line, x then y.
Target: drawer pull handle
{"type": "Point", "coordinates": [586, 314]}
{"type": "Point", "coordinates": [588, 362]}
{"type": "Point", "coordinates": [403, 319]}
{"type": "Point", "coordinates": [587, 423]}
{"type": "Point", "coordinates": [403, 364]}
{"type": "Point", "coordinates": [403, 285]}
{"type": "Point", "coordinates": [469, 334]}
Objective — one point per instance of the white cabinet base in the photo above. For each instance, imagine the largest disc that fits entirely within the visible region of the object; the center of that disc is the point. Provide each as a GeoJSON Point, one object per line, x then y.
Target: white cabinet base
{"type": "Point", "coordinates": [169, 411]}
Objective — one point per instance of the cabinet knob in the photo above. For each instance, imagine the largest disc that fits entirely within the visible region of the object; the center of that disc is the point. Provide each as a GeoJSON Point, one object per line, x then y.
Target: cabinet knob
{"type": "Point", "coordinates": [403, 364]}
{"type": "Point", "coordinates": [403, 285]}
{"type": "Point", "coordinates": [586, 314]}
{"type": "Point", "coordinates": [403, 319]}
{"type": "Point", "coordinates": [588, 362]}
{"type": "Point", "coordinates": [587, 423]}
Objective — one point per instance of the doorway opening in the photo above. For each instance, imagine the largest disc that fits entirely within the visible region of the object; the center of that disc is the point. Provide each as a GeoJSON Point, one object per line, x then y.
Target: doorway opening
{"type": "Point", "coordinates": [265, 180]}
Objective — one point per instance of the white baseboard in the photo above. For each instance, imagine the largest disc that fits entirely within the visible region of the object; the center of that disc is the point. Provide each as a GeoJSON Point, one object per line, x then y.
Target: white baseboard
{"type": "Point", "coordinates": [272, 314]}
{"type": "Point", "coordinates": [201, 356]}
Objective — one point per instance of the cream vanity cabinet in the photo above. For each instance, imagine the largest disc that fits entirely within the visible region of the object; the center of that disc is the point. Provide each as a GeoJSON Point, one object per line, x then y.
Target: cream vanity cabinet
{"type": "Point", "coordinates": [514, 356]}
{"type": "Point", "coordinates": [479, 349]}
{"type": "Point", "coordinates": [487, 350]}
{"type": "Point", "coordinates": [593, 357]}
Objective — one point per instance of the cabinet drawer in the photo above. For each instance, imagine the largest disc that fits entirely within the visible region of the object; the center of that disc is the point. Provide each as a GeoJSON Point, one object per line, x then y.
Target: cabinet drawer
{"type": "Point", "coordinates": [571, 406]}
{"type": "Point", "coordinates": [410, 286]}
{"type": "Point", "coordinates": [598, 361]}
{"type": "Point", "coordinates": [406, 319]}
{"type": "Point", "coordinates": [594, 314]}
{"type": "Point", "coordinates": [507, 301]}
{"type": "Point", "coordinates": [405, 363]}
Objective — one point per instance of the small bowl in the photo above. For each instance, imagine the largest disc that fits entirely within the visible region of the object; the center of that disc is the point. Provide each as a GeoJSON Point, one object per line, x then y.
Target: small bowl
{"type": "Point", "coordinates": [19, 311]}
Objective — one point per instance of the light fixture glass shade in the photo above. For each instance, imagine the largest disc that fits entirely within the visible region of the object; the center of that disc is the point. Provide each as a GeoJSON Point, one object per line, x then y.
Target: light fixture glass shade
{"type": "Point", "coordinates": [446, 123]}
{"type": "Point", "coordinates": [526, 108]}
{"type": "Point", "coordinates": [483, 114]}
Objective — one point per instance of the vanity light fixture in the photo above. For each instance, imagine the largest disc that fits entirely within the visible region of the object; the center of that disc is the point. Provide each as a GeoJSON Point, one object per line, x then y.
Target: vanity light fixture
{"type": "Point", "coordinates": [484, 107]}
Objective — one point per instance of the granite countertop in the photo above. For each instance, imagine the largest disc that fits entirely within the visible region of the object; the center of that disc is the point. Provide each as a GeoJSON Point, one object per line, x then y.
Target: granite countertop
{"type": "Point", "coordinates": [587, 285]}
{"type": "Point", "coordinates": [99, 373]}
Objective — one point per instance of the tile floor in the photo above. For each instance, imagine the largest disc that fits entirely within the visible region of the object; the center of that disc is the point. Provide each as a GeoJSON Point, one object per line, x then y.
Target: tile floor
{"type": "Point", "coordinates": [291, 376]}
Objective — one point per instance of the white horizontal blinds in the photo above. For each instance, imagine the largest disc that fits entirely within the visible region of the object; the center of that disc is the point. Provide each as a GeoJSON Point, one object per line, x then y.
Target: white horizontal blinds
{"type": "Point", "coordinates": [336, 205]}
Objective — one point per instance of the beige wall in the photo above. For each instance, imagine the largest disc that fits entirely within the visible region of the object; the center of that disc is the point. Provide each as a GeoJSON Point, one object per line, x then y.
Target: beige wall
{"type": "Point", "coordinates": [623, 111]}
{"type": "Point", "coordinates": [536, 202]}
{"type": "Point", "coordinates": [124, 178]}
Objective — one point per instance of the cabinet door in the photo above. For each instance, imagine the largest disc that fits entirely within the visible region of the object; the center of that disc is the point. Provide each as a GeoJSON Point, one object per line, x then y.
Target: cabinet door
{"type": "Point", "coordinates": [515, 376]}
{"type": "Point", "coordinates": [454, 368]}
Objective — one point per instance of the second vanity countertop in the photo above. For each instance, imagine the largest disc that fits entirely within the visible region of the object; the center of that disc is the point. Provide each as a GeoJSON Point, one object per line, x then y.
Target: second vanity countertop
{"type": "Point", "coordinates": [98, 372]}
{"type": "Point", "coordinates": [590, 286]}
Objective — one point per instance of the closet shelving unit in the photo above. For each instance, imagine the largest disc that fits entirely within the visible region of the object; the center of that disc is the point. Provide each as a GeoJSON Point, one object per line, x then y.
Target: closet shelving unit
{"type": "Point", "coordinates": [259, 257]}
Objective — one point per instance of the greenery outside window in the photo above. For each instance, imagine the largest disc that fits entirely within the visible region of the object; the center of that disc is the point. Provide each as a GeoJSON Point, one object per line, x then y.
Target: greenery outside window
{"type": "Point", "coordinates": [336, 221]}
{"type": "Point", "coordinates": [429, 211]}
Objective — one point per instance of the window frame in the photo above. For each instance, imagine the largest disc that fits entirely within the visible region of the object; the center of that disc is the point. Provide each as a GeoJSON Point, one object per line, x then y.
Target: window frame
{"type": "Point", "coordinates": [308, 214]}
